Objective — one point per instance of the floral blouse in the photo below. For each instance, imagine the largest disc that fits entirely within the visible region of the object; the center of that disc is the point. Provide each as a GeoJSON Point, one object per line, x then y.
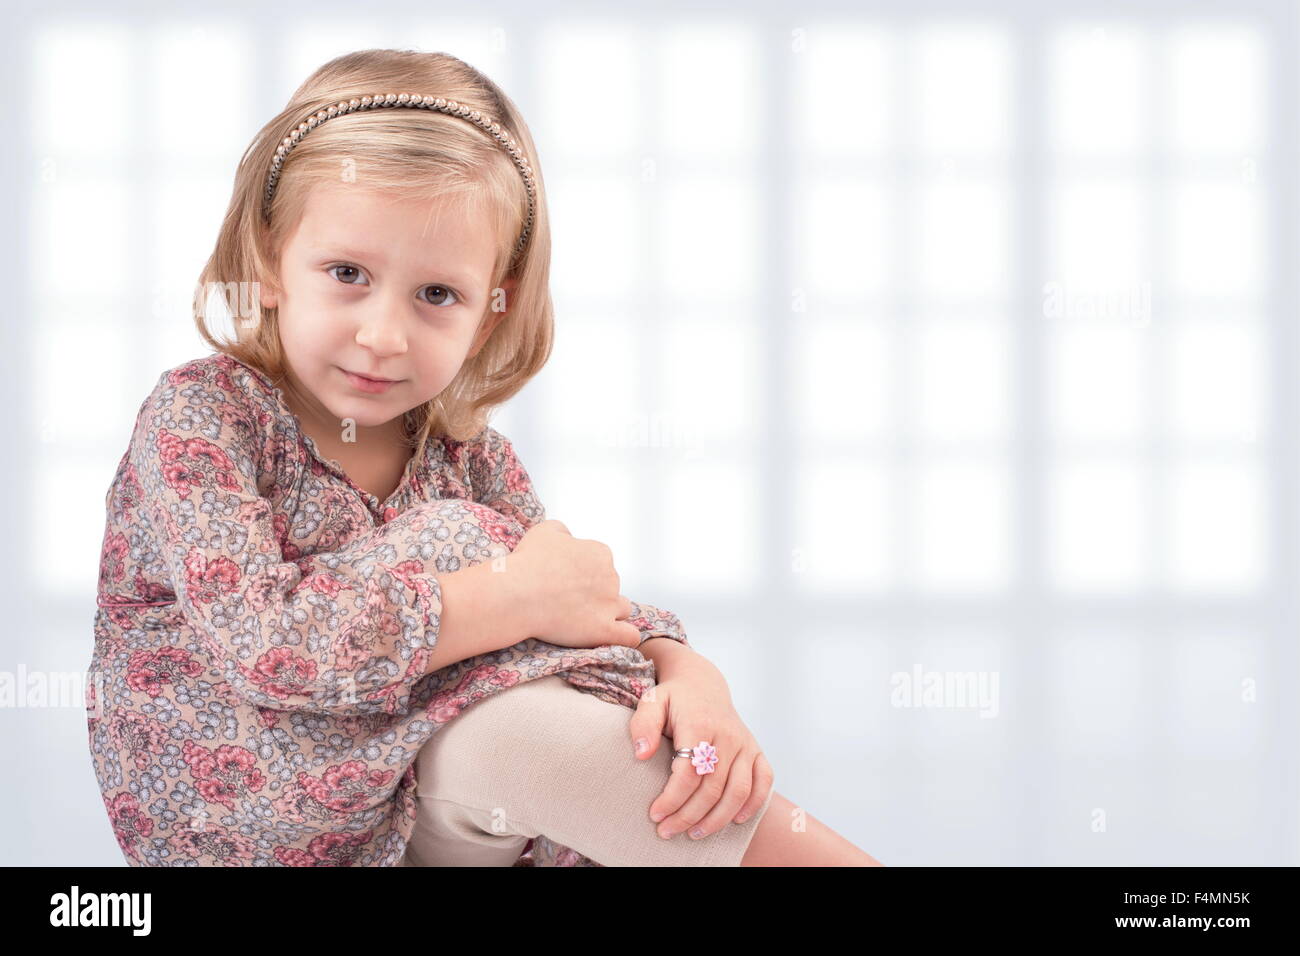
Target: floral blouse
{"type": "Point", "coordinates": [257, 692]}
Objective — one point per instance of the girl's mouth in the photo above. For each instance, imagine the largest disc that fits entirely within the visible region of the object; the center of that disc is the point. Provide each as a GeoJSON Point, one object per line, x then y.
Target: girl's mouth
{"type": "Point", "coordinates": [374, 386]}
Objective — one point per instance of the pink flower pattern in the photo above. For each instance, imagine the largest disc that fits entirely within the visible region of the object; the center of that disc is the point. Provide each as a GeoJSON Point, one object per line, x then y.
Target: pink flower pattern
{"type": "Point", "coordinates": [253, 601]}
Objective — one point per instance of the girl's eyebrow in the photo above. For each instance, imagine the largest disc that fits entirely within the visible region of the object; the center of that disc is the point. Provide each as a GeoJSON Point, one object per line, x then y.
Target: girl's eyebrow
{"type": "Point", "coordinates": [464, 281]}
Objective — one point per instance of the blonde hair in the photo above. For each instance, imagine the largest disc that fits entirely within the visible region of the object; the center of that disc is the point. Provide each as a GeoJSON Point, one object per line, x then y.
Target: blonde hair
{"type": "Point", "coordinates": [414, 152]}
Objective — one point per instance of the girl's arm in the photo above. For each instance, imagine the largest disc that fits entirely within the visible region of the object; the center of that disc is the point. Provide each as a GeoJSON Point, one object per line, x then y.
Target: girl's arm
{"type": "Point", "coordinates": [347, 632]}
{"type": "Point", "coordinates": [481, 613]}
{"type": "Point", "coordinates": [499, 480]}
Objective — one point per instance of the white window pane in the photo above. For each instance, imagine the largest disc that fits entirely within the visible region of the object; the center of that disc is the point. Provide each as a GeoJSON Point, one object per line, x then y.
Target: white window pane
{"type": "Point", "coordinates": [952, 681]}
{"type": "Point", "coordinates": [964, 89]}
{"type": "Point", "coordinates": [844, 530]}
{"type": "Point", "coordinates": [1216, 238]}
{"type": "Point", "coordinates": [1218, 380]}
{"type": "Point", "coordinates": [587, 398]}
{"type": "Point", "coordinates": [711, 527]}
{"type": "Point", "coordinates": [600, 498]}
{"type": "Point", "coordinates": [840, 70]}
{"type": "Point", "coordinates": [1096, 75]}
{"type": "Point", "coordinates": [844, 237]}
{"type": "Point", "coordinates": [1097, 380]}
{"type": "Point", "coordinates": [1217, 88]}
{"type": "Point", "coordinates": [962, 522]}
{"type": "Point", "coordinates": [731, 645]}
{"type": "Point", "coordinates": [599, 234]}
{"type": "Point", "coordinates": [1215, 515]}
{"type": "Point", "coordinates": [709, 378]}
{"type": "Point", "coordinates": [67, 539]}
{"type": "Point", "coordinates": [1216, 680]}
{"type": "Point", "coordinates": [171, 342]}
{"type": "Point", "coordinates": [587, 69]}
{"type": "Point", "coordinates": [68, 62]}
{"type": "Point", "coordinates": [183, 215]}
{"type": "Point", "coordinates": [709, 236]}
{"type": "Point", "coordinates": [1098, 238]}
{"type": "Point", "coordinates": [843, 378]}
{"type": "Point", "coordinates": [963, 238]}
{"type": "Point", "coordinates": [990, 793]}
{"type": "Point", "coordinates": [1099, 693]}
{"type": "Point", "coordinates": [728, 54]}
{"type": "Point", "coordinates": [1222, 806]}
{"type": "Point", "coordinates": [1098, 535]}
{"type": "Point", "coordinates": [76, 239]}
{"type": "Point", "coordinates": [79, 372]}
{"type": "Point", "coordinates": [963, 378]}
{"type": "Point", "coordinates": [193, 62]}
{"type": "Point", "coordinates": [840, 677]}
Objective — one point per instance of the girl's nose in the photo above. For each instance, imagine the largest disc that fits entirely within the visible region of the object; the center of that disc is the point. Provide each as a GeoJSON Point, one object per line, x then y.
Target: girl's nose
{"type": "Point", "coordinates": [382, 331]}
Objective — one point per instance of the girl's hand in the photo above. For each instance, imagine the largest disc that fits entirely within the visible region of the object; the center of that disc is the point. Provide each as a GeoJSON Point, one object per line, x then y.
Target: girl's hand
{"type": "Point", "coordinates": [568, 589]}
{"type": "Point", "coordinates": [694, 704]}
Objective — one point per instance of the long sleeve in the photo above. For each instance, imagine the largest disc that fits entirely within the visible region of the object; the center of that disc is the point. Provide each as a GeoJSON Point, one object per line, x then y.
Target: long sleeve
{"type": "Point", "coordinates": [499, 480]}
{"type": "Point", "coordinates": [344, 632]}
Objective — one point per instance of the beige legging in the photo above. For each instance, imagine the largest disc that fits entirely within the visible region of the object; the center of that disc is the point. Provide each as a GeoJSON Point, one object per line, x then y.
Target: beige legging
{"type": "Point", "coordinates": [544, 758]}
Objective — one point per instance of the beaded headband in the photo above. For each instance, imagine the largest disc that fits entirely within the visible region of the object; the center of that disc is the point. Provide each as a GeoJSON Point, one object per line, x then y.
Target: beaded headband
{"type": "Point", "coordinates": [437, 103]}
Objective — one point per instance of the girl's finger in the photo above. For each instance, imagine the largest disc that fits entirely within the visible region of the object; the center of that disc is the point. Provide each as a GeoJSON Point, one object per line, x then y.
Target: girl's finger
{"type": "Point", "coordinates": [740, 784]}
{"type": "Point", "coordinates": [764, 778]}
{"type": "Point", "coordinates": [682, 782]}
{"type": "Point", "coordinates": [646, 726]}
{"type": "Point", "coordinates": [708, 790]}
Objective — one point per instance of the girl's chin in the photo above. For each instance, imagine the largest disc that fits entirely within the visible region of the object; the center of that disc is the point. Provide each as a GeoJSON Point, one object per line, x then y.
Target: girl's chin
{"type": "Point", "coordinates": [369, 417]}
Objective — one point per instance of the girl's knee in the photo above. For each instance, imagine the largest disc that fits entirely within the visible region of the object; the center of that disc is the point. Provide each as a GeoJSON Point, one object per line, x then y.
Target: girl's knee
{"type": "Point", "coordinates": [566, 737]}
{"type": "Point", "coordinates": [539, 733]}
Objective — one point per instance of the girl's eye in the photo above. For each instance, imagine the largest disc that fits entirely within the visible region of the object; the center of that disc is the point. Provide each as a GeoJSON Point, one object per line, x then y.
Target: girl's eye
{"type": "Point", "coordinates": [445, 291]}
{"type": "Point", "coordinates": [331, 269]}
{"type": "Point", "coordinates": [349, 270]}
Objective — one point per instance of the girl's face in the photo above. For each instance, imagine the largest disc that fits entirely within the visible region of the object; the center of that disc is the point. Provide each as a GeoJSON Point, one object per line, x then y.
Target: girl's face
{"type": "Point", "coordinates": [385, 287]}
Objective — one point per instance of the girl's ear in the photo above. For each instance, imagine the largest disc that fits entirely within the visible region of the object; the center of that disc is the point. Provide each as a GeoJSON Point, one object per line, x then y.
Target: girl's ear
{"type": "Point", "coordinates": [268, 294]}
{"type": "Point", "coordinates": [268, 285]}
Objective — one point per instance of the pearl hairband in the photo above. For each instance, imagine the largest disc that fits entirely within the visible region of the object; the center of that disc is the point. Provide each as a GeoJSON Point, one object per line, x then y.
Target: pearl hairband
{"type": "Point", "coordinates": [438, 103]}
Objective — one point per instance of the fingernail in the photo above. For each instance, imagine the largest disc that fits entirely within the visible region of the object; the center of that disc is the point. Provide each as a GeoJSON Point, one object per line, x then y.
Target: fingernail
{"type": "Point", "coordinates": [641, 745]}
{"type": "Point", "coordinates": [657, 816]}
{"type": "Point", "coordinates": [665, 835]}
{"type": "Point", "coordinates": [741, 818]}
{"type": "Point", "coordinates": [697, 833]}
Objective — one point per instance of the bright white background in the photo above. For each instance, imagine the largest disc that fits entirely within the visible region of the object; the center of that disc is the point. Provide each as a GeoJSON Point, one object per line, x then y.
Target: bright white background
{"type": "Point", "coordinates": [959, 338]}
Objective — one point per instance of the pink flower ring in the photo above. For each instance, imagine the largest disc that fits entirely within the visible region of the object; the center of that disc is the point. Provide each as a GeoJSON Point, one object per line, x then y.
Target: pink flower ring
{"type": "Point", "coordinates": [704, 757]}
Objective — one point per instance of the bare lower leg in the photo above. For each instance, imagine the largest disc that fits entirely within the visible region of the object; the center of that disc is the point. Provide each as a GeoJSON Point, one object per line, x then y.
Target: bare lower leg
{"type": "Point", "coordinates": [785, 837]}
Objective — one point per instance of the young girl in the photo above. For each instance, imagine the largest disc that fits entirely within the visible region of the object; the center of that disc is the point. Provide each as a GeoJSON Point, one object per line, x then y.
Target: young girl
{"type": "Point", "coordinates": [334, 626]}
